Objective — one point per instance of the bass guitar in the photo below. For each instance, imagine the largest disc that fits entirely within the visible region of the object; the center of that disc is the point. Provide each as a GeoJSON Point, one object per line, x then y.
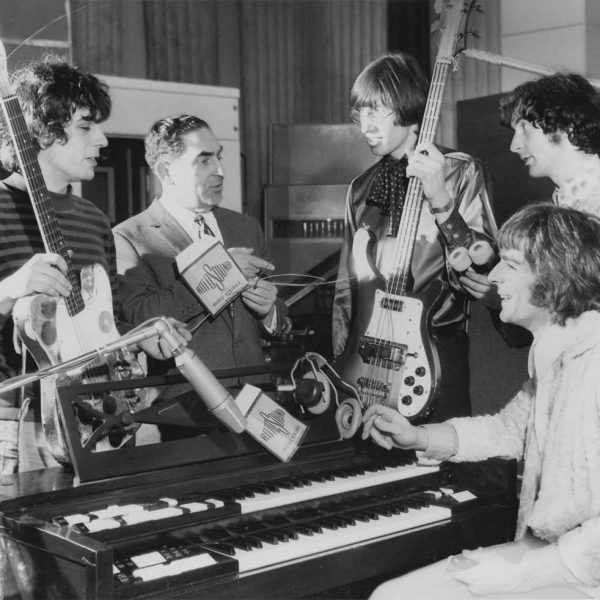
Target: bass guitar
{"type": "Point", "coordinates": [390, 356]}
{"type": "Point", "coordinates": [55, 330]}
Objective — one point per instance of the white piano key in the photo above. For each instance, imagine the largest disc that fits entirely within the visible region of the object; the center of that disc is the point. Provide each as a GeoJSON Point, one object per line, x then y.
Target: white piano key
{"type": "Point", "coordinates": [463, 496]}
{"type": "Point", "coordinates": [175, 567]}
{"type": "Point", "coordinates": [195, 506]}
{"type": "Point", "coordinates": [143, 516]}
{"type": "Point", "coordinates": [148, 559]}
{"type": "Point", "coordinates": [115, 510]}
{"type": "Point", "coordinates": [77, 518]}
{"type": "Point", "coordinates": [102, 524]}
{"type": "Point", "coordinates": [216, 503]}
{"type": "Point", "coordinates": [169, 501]}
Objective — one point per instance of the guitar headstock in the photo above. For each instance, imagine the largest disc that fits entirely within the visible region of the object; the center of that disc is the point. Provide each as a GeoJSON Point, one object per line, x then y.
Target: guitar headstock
{"type": "Point", "coordinates": [454, 16]}
{"type": "Point", "coordinates": [4, 80]}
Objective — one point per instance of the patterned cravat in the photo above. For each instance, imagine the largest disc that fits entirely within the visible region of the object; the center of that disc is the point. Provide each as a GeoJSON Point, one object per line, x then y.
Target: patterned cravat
{"type": "Point", "coordinates": [203, 228]}
{"type": "Point", "coordinates": [389, 188]}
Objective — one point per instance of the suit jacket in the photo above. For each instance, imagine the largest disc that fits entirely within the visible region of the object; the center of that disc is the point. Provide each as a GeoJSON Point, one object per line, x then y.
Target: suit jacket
{"type": "Point", "coordinates": [150, 285]}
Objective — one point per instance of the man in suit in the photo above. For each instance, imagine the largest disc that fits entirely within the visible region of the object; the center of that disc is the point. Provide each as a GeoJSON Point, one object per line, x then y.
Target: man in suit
{"type": "Point", "coordinates": [186, 157]}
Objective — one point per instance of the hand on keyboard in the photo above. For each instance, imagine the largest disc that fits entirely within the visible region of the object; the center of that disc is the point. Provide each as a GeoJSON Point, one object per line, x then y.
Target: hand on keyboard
{"type": "Point", "coordinates": [388, 428]}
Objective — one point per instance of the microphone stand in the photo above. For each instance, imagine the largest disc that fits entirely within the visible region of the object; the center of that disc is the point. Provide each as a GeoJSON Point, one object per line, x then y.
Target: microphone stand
{"type": "Point", "coordinates": [78, 362]}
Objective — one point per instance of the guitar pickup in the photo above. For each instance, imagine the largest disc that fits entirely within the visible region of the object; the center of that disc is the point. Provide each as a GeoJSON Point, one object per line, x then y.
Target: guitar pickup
{"type": "Point", "coordinates": [389, 355]}
{"type": "Point", "coordinates": [388, 303]}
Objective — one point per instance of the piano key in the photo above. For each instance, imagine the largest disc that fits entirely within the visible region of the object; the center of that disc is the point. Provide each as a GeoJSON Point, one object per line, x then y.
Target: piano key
{"type": "Point", "coordinates": [152, 515]}
{"type": "Point", "coordinates": [335, 485]}
{"type": "Point", "coordinates": [115, 510]}
{"type": "Point", "coordinates": [195, 506]}
{"type": "Point", "coordinates": [73, 519]}
{"type": "Point", "coordinates": [101, 524]}
{"type": "Point", "coordinates": [176, 567]}
{"type": "Point", "coordinates": [147, 559]}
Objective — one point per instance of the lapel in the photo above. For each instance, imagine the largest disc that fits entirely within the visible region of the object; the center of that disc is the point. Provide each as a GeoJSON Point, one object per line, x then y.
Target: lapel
{"type": "Point", "coordinates": [162, 224]}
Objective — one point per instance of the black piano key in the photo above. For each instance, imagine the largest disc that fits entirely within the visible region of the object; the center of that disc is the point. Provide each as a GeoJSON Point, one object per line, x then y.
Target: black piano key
{"type": "Point", "coordinates": [281, 534]}
{"type": "Point", "coordinates": [309, 528]}
{"type": "Point", "coordinates": [255, 541]}
{"type": "Point", "coordinates": [242, 543]}
{"type": "Point", "coordinates": [361, 516]}
{"type": "Point", "coordinates": [245, 526]}
{"type": "Point", "coordinates": [385, 510]}
{"type": "Point", "coordinates": [240, 493]}
{"type": "Point", "coordinates": [304, 514]}
{"type": "Point", "coordinates": [292, 533]}
{"type": "Point", "coordinates": [330, 523]}
{"type": "Point", "coordinates": [270, 536]}
{"type": "Point", "coordinates": [274, 521]}
{"type": "Point", "coordinates": [222, 547]}
{"type": "Point", "coordinates": [347, 518]}
{"type": "Point", "coordinates": [215, 533]}
{"type": "Point", "coordinates": [305, 529]}
{"type": "Point", "coordinates": [302, 481]}
{"type": "Point", "coordinates": [285, 484]}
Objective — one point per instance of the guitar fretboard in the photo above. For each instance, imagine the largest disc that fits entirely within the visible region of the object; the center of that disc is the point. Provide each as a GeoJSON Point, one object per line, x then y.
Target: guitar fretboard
{"type": "Point", "coordinates": [399, 283]}
{"type": "Point", "coordinates": [52, 237]}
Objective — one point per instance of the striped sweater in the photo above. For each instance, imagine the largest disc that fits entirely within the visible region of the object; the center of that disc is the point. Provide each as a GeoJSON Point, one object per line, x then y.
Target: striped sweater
{"type": "Point", "coordinates": [86, 230]}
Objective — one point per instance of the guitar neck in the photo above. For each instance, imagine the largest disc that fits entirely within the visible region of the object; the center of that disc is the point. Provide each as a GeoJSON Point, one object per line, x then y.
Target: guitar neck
{"type": "Point", "coordinates": [52, 237]}
{"type": "Point", "coordinates": [400, 282]}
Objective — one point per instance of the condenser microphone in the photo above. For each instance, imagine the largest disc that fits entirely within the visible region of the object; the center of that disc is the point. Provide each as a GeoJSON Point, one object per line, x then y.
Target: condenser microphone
{"type": "Point", "coordinates": [217, 399]}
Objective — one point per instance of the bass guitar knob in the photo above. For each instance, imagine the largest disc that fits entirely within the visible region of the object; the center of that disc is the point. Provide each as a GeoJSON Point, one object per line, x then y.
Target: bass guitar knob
{"type": "Point", "coordinates": [406, 400]}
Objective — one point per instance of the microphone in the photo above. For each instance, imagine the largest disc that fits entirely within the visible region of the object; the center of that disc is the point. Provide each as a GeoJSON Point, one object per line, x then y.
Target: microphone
{"type": "Point", "coordinates": [216, 398]}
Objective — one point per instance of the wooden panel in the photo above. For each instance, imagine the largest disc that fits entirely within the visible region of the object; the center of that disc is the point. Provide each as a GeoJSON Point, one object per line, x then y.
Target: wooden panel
{"type": "Point", "coordinates": [317, 154]}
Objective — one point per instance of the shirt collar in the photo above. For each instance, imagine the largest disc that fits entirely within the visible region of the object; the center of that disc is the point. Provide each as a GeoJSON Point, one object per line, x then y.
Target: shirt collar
{"type": "Point", "coordinates": [185, 218]}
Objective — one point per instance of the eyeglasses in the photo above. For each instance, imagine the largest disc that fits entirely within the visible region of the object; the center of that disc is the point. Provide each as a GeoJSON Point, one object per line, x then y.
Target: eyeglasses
{"type": "Point", "coordinates": [370, 115]}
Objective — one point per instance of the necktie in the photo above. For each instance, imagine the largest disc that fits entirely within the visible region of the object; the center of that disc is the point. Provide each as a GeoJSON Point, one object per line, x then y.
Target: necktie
{"type": "Point", "coordinates": [203, 229]}
{"type": "Point", "coordinates": [389, 187]}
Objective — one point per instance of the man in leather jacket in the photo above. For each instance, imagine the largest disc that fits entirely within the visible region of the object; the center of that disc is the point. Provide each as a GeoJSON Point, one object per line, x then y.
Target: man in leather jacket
{"type": "Point", "coordinates": [388, 101]}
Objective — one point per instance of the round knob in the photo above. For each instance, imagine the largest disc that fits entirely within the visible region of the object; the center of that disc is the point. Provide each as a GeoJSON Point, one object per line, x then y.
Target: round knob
{"type": "Point", "coordinates": [406, 400]}
{"type": "Point", "coordinates": [418, 390]}
{"type": "Point", "coordinates": [420, 371]}
{"type": "Point", "coordinates": [410, 380]}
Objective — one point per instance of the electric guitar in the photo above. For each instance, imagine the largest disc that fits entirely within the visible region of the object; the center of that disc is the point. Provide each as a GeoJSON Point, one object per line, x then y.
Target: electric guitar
{"type": "Point", "coordinates": [390, 356]}
{"type": "Point", "coordinates": [55, 330]}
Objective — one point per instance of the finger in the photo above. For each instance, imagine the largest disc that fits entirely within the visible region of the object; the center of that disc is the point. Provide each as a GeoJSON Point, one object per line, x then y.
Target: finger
{"type": "Point", "coordinates": [180, 328]}
{"type": "Point", "coordinates": [240, 250]}
{"type": "Point", "coordinates": [428, 149]}
{"type": "Point", "coordinates": [260, 263]}
{"type": "Point", "coordinates": [382, 440]}
{"type": "Point", "coordinates": [367, 425]}
{"type": "Point", "coordinates": [52, 282]}
{"type": "Point", "coordinates": [56, 260]}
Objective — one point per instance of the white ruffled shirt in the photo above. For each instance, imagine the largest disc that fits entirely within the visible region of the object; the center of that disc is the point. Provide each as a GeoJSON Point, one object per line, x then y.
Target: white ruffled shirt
{"type": "Point", "coordinates": [582, 192]}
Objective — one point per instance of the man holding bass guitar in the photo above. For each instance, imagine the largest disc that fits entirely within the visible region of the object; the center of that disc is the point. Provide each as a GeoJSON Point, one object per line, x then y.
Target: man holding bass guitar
{"type": "Point", "coordinates": [63, 108]}
{"type": "Point", "coordinates": [388, 101]}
